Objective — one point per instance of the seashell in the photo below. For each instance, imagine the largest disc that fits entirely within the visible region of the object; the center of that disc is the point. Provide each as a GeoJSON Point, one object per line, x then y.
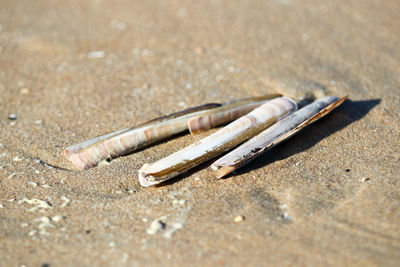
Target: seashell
{"type": "Point", "coordinates": [277, 133]}
{"type": "Point", "coordinates": [214, 118]}
{"type": "Point", "coordinates": [226, 138]}
{"type": "Point", "coordinates": [90, 153]}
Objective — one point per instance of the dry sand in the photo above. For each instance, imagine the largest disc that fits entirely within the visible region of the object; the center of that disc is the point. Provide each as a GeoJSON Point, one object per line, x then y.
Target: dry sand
{"type": "Point", "coordinates": [72, 70]}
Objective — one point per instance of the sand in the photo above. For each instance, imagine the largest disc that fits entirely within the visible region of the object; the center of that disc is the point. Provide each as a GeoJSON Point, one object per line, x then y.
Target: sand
{"type": "Point", "coordinates": [72, 70]}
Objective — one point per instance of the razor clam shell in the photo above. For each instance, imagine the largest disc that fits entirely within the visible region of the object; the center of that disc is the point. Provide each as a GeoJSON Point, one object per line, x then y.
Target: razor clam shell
{"type": "Point", "coordinates": [90, 153]}
{"type": "Point", "coordinates": [230, 136]}
{"type": "Point", "coordinates": [277, 133]}
{"type": "Point", "coordinates": [237, 109]}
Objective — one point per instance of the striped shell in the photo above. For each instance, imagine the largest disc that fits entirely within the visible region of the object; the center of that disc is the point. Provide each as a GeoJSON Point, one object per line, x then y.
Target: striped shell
{"type": "Point", "coordinates": [228, 137]}
{"type": "Point", "coordinates": [90, 153]}
{"type": "Point", "coordinates": [272, 136]}
{"type": "Point", "coordinates": [214, 118]}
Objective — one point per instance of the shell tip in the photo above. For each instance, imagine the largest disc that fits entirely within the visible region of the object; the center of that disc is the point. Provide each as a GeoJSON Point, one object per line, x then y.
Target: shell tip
{"type": "Point", "coordinates": [143, 177]}
{"type": "Point", "coordinates": [192, 126]}
{"type": "Point", "coordinates": [295, 106]}
{"type": "Point", "coordinates": [69, 151]}
{"type": "Point", "coordinates": [74, 158]}
{"type": "Point", "coordinates": [223, 171]}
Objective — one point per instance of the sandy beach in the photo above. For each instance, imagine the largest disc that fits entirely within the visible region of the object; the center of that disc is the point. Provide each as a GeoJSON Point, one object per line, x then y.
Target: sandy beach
{"type": "Point", "coordinates": [73, 70]}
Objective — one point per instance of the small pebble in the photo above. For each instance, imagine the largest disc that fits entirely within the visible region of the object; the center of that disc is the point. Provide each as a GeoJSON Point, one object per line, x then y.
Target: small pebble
{"type": "Point", "coordinates": [16, 158]}
{"type": "Point", "coordinates": [179, 202]}
{"type": "Point", "coordinates": [66, 201]}
{"type": "Point", "coordinates": [96, 54]}
{"type": "Point", "coordinates": [33, 232]}
{"type": "Point", "coordinates": [33, 184]}
{"type": "Point", "coordinates": [239, 218]}
{"type": "Point", "coordinates": [24, 91]}
{"type": "Point", "coordinates": [155, 226]}
{"type": "Point", "coordinates": [197, 178]}
{"type": "Point", "coordinates": [38, 122]}
{"type": "Point", "coordinates": [199, 50]}
{"type": "Point", "coordinates": [1, 206]}
{"type": "Point", "coordinates": [286, 216]}
{"type": "Point", "coordinates": [363, 180]}
{"type": "Point", "coordinates": [44, 220]}
{"type": "Point", "coordinates": [12, 117]}
{"type": "Point", "coordinates": [57, 218]}
{"type": "Point", "coordinates": [284, 206]}
{"type": "Point", "coordinates": [45, 186]}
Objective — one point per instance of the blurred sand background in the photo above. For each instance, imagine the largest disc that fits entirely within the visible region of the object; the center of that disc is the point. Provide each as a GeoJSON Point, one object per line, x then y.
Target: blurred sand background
{"type": "Point", "coordinates": [72, 70]}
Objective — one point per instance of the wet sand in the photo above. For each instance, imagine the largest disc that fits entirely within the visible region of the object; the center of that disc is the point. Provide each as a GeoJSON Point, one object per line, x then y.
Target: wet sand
{"type": "Point", "coordinates": [72, 70]}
